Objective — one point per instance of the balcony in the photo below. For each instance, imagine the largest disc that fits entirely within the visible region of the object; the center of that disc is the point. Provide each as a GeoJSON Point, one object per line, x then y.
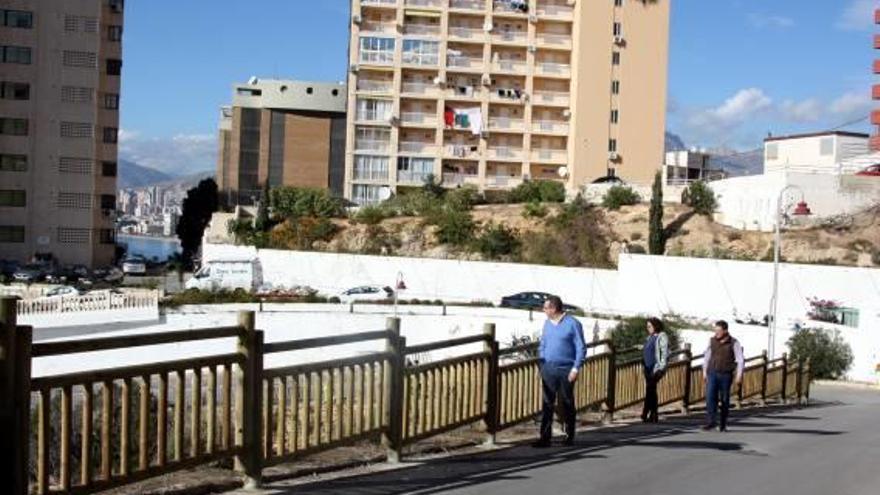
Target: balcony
{"type": "Point", "coordinates": [505, 153]}
{"type": "Point", "coordinates": [456, 92]}
{"type": "Point", "coordinates": [510, 7]}
{"type": "Point", "coordinates": [550, 126]}
{"type": "Point", "coordinates": [505, 124]}
{"type": "Point", "coordinates": [418, 147]}
{"type": "Point", "coordinates": [421, 29]}
{"type": "Point", "coordinates": [509, 66]}
{"type": "Point", "coordinates": [467, 4]}
{"type": "Point", "coordinates": [372, 145]}
{"type": "Point", "coordinates": [376, 57]}
{"type": "Point", "coordinates": [467, 33]}
{"type": "Point", "coordinates": [418, 88]}
{"type": "Point", "coordinates": [373, 116]}
{"type": "Point", "coordinates": [556, 11]}
{"type": "Point", "coordinates": [454, 179]}
{"type": "Point", "coordinates": [413, 177]}
{"type": "Point", "coordinates": [503, 181]}
{"type": "Point", "coordinates": [379, 3]}
{"type": "Point", "coordinates": [875, 92]}
{"type": "Point", "coordinates": [418, 118]}
{"type": "Point", "coordinates": [425, 3]}
{"type": "Point", "coordinates": [552, 98]}
{"type": "Point", "coordinates": [549, 155]}
{"type": "Point", "coordinates": [554, 69]}
{"type": "Point", "coordinates": [875, 117]}
{"type": "Point", "coordinates": [378, 27]}
{"type": "Point", "coordinates": [510, 37]}
{"type": "Point", "coordinates": [374, 86]}
{"type": "Point", "coordinates": [462, 151]}
{"type": "Point", "coordinates": [555, 40]}
{"type": "Point", "coordinates": [369, 174]}
{"type": "Point", "coordinates": [459, 62]}
{"type": "Point", "coordinates": [421, 59]}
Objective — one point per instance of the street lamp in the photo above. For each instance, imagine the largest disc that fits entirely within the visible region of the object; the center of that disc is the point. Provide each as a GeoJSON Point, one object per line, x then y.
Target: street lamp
{"type": "Point", "coordinates": [399, 285]}
{"type": "Point", "coordinates": [801, 209]}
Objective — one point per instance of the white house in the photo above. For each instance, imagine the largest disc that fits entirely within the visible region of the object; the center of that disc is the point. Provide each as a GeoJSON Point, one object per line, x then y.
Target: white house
{"type": "Point", "coordinates": [818, 153]}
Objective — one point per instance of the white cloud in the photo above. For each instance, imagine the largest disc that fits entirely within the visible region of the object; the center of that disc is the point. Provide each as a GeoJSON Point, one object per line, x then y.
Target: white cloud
{"type": "Point", "coordinates": [851, 105]}
{"type": "Point", "coordinates": [857, 16]}
{"type": "Point", "coordinates": [181, 154]}
{"type": "Point", "coordinates": [735, 110]}
{"type": "Point", "coordinates": [806, 111]}
{"type": "Point", "coordinates": [772, 21]}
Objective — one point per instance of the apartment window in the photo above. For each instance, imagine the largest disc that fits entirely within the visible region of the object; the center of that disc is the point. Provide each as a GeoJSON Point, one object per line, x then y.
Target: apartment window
{"type": "Point", "coordinates": [116, 6]}
{"type": "Point", "coordinates": [15, 91]}
{"type": "Point", "coordinates": [618, 3]}
{"type": "Point", "coordinates": [17, 55]}
{"type": "Point", "coordinates": [826, 146]}
{"type": "Point", "coordinates": [108, 202]}
{"type": "Point", "coordinates": [107, 236]}
{"type": "Point", "coordinates": [13, 127]}
{"type": "Point", "coordinates": [374, 110]}
{"type": "Point", "coordinates": [13, 163]}
{"type": "Point", "coordinates": [11, 233]}
{"type": "Point", "coordinates": [77, 130]}
{"type": "Point", "coordinates": [369, 167]}
{"type": "Point", "coordinates": [114, 67]}
{"type": "Point", "coordinates": [618, 29]}
{"type": "Point", "coordinates": [77, 94]}
{"type": "Point", "coordinates": [364, 195]}
{"type": "Point", "coordinates": [76, 23]}
{"type": "Point", "coordinates": [414, 169]}
{"type": "Point", "coordinates": [72, 235]}
{"type": "Point", "coordinates": [372, 138]}
{"type": "Point", "coordinates": [773, 151]}
{"type": "Point", "coordinates": [615, 58]}
{"type": "Point", "coordinates": [114, 33]}
{"type": "Point", "coordinates": [248, 92]}
{"type": "Point", "coordinates": [74, 165]}
{"type": "Point", "coordinates": [108, 169]}
{"type": "Point", "coordinates": [74, 201]}
{"type": "Point", "coordinates": [615, 116]}
{"type": "Point", "coordinates": [375, 50]}
{"type": "Point", "coordinates": [80, 59]}
{"type": "Point", "coordinates": [615, 87]}
{"type": "Point", "coordinates": [612, 145]}
{"type": "Point", "coordinates": [18, 19]}
{"type": "Point", "coordinates": [111, 135]}
{"type": "Point", "coordinates": [420, 52]}
{"type": "Point", "coordinates": [111, 101]}
{"type": "Point", "coordinates": [13, 197]}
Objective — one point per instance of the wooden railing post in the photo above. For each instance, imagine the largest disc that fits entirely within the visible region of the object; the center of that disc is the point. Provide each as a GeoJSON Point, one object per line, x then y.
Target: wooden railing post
{"type": "Point", "coordinates": [686, 396]}
{"type": "Point", "coordinates": [20, 442]}
{"type": "Point", "coordinates": [798, 382]}
{"type": "Point", "coordinates": [9, 475]}
{"type": "Point", "coordinates": [808, 377]}
{"type": "Point", "coordinates": [392, 439]}
{"type": "Point", "coordinates": [784, 378]}
{"type": "Point", "coordinates": [610, 397]}
{"type": "Point", "coordinates": [249, 401]}
{"type": "Point", "coordinates": [492, 419]}
{"type": "Point", "coordinates": [765, 361]}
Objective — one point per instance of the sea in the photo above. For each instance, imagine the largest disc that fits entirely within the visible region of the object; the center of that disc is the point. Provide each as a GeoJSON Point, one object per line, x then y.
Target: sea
{"type": "Point", "coordinates": [152, 248]}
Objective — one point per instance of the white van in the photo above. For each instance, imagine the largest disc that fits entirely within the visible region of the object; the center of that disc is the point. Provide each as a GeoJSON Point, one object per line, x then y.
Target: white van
{"type": "Point", "coordinates": [218, 275]}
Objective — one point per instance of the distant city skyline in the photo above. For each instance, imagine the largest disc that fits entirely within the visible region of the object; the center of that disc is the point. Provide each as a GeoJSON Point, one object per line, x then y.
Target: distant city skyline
{"type": "Point", "coordinates": [738, 70]}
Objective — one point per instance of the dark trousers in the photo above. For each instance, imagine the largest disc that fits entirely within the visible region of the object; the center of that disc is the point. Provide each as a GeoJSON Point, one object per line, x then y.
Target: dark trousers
{"type": "Point", "coordinates": [649, 410]}
{"type": "Point", "coordinates": [718, 388]}
{"type": "Point", "coordinates": [554, 378]}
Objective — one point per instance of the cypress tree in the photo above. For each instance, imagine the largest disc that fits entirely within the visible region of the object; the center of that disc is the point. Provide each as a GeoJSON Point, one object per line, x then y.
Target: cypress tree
{"type": "Point", "coordinates": [656, 237]}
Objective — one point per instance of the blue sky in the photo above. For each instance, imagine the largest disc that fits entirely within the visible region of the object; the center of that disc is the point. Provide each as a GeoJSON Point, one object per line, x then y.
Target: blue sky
{"type": "Point", "coordinates": [738, 68]}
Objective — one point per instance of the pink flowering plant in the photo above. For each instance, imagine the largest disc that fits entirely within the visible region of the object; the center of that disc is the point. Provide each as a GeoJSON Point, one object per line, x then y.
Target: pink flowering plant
{"type": "Point", "coordinates": [823, 310]}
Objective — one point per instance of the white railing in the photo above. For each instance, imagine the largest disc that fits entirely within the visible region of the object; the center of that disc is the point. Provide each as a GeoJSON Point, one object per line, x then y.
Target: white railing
{"type": "Point", "coordinates": [455, 178]}
{"type": "Point", "coordinates": [467, 4]}
{"type": "Point", "coordinates": [502, 181]}
{"type": "Point", "coordinates": [505, 152]}
{"type": "Point", "coordinates": [377, 27]}
{"type": "Point", "coordinates": [465, 32]}
{"type": "Point", "coordinates": [378, 2]}
{"type": "Point", "coordinates": [505, 123]}
{"type": "Point", "coordinates": [554, 68]}
{"type": "Point", "coordinates": [420, 58]}
{"type": "Point", "coordinates": [510, 37]}
{"type": "Point", "coordinates": [374, 86]}
{"type": "Point", "coordinates": [95, 301]}
{"type": "Point", "coordinates": [380, 57]}
{"type": "Point", "coordinates": [417, 147]}
{"type": "Point", "coordinates": [549, 155]}
{"type": "Point", "coordinates": [466, 62]}
{"type": "Point", "coordinates": [555, 10]}
{"type": "Point", "coordinates": [413, 177]}
{"type": "Point", "coordinates": [369, 174]}
{"type": "Point", "coordinates": [555, 39]}
{"type": "Point", "coordinates": [510, 66]}
{"type": "Point", "coordinates": [550, 126]}
{"type": "Point", "coordinates": [373, 116]}
{"type": "Point", "coordinates": [559, 97]}
{"type": "Point", "coordinates": [462, 151]}
{"type": "Point", "coordinates": [418, 88]}
{"type": "Point", "coordinates": [425, 3]}
{"type": "Point", "coordinates": [371, 145]}
{"type": "Point", "coordinates": [422, 29]}
{"type": "Point", "coordinates": [417, 117]}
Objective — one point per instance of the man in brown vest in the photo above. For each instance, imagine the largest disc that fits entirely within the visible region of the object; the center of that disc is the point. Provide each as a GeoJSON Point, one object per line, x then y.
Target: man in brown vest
{"type": "Point", "coordinates": [723, 365]}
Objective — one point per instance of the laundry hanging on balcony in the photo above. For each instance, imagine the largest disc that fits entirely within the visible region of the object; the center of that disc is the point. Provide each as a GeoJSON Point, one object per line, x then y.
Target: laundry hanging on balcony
{"type": "Point", "coordinates": [514, 5]}
{"type": "Point", "coordinates": [464, 118]}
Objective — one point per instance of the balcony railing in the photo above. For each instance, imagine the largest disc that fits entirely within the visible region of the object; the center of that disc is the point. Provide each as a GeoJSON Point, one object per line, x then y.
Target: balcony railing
{"type": "Point", "coordinates": [372, 116]}
{"type": "Point", "coordinates": [452, 178]}
{"type": "Point", "coordinates": [467, 4]}
{"type": "Point", "coordinates": [379, 2]}
{"type": "Point", "coordinates": [510, 37]}
{"type": "Point", "coordinates": [505, 123]}
{"type": "Point", "coordinates": [555, 39]}
{"type": "Point", "coordinates": [377, 27]}
{"type": "Point", "coordinates": [374, 86]}
{"type": "Point", "coordinates": [418, 88]}
{"type": "Point", "coordinates": [420, 58]}
{"type": "Point", "coordinates": [464, 62]}
{"type": "Point", "coordinates": [550, 155]}
{"type": "Point", "coordinates": [508, 7]}
{"type": "Point", "coordinates": [505, 152]}
{"type": "Point", "coordinates": [509, 66]}
{"type": "Point", "coordinates": [412, 177]}
{"type": "Point", "coordinates": [550, 126]}
{"type": "Point", "coordinates": [422, 29]}
{"type": "Point", "coordinates": [424, 3]}
{"type": "Point", "coordinates": [417, 147]}
{"type": "Point", "coordinates": [369, 174]}
{"type": "Point", "coordinates": [377, 57]}
{"type": "Point", "coordinates": [555, 10]}
{"type": "Point", "coordinates": [418, 118]}
{"type": "Point", "coordinates": [554, 68]}
{"type": "Point", "coordinates": [371, 145]}
{"type": "Point", "coordinates": [465, 32]}
{"type": "Point", "coordinates": [556, 97]}
{"type": "Point", "coordinates": [462, 151]}
{"type": "Point", "coordinates": [502, 180]}
{"type": "Point", "coordinates": [466, 92]}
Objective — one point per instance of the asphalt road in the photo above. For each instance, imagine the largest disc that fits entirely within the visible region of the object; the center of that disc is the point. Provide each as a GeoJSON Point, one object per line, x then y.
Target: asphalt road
{"type": "Point", "coordinates": [831, 447]}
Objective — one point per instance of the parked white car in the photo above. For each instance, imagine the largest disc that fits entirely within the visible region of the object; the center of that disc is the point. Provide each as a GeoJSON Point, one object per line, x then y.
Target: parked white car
{"type": "Point", "coordinates": [63, 291]}
{"type": "Point", "coordinates": [134, 266]}
{"type": "Point", "coordinates": [366, 293]}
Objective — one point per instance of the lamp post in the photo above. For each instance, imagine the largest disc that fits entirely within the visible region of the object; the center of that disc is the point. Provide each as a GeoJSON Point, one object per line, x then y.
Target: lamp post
{"type": "Point", "coordinates": [399, 285]}
{"type": "Point", "coordinates": [800, 210]}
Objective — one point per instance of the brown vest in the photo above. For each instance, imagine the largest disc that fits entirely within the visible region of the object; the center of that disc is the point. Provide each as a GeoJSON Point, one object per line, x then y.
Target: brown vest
{"type": "Point", "coordinates": [722, 358]}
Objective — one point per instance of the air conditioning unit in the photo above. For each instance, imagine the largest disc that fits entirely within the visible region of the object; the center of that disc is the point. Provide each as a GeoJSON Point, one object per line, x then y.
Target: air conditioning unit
{"type": "Point", "coordinates": [533, 18]}
{"type": "Point", "coordinates": [356, 19]}
{"type": "Point", "coordinates": [618, 40]}
{"type": "Point", "coordinates": [533, 48]}
{"type": "Point", "coordinates": [353, 68]}
{"type": "Point", "coordinates": [613, 156]}
{"type": "Point", "coordinates": [566, 113]}
{"type": "Point", "coordinates": [488, 26]}
{"type": "Point", "coordinates": [439, 81]}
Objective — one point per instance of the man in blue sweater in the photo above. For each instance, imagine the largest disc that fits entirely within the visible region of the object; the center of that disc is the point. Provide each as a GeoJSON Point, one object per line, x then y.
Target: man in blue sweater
{"type": "Point", "coordinates": [561, 354]}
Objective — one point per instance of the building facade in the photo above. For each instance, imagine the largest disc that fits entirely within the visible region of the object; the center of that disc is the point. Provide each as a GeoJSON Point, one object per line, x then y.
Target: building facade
{"type": "Point", "coordinates": [821, 152]}
{"type": "Point", "coordinates": [289, 133]}
{"type": "Point", "coordinates": [495, 92]}
{"type": "Point", "coordinates": [60, 75]}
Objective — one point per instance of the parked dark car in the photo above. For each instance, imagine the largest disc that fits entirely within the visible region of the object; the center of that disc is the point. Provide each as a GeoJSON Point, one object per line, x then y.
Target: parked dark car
{"type": "Point", "coordinates": [610, 179]}
{"type": "Point", "coordinates": [30, 273]}
{"type": "Point", "coordinates": [7, 268]}
{"type": "Point", "coordinates": [531, 300]}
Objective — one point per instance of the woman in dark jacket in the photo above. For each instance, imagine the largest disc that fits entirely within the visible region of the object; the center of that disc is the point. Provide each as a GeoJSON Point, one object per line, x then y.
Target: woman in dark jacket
{"type": "Point", "coordinates": [656, 355]}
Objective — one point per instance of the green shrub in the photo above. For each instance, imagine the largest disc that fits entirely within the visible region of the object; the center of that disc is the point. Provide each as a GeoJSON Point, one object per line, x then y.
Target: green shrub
{"type": "Point", "coordinates": [497, 197]}
{"type": "Point", "coordinates": [196, 296]}
{"type": "Point", "coordinates": [432, 188]}
{"type": "Point", "coordinates": [454, 227]}
{"type": "Point", "coordinates": [418, 203]}
{"type": "Point", "coordinates": [333, 300]}
{"type": "Point", "coordinates": [539, 190]}
{"type": "Point", "coordinates": [302, 233]}
{"type": "Point", "coordinates": [701, 198]}
{"type": "Point", "coordinates": [551, 191]}
{"type": "Point", "coordinates": [830, 356]}
{"type": "Point", "coordinates": [618, 196]}
{"type": "Point", "coordinates": [875, 258]}
{"type": "Point", "coordinates": [462, 198]}
{"type": "Point", "coordinates": [372, 215]}
{"type": "Point", "coordinates": [496, 240]}
{"type": "Point", "coordinates": [574, 237]}
{"type": "Point", "coordinates": [296, 202]}
{"type": "Point", "coordinates": [534, 209]}
{"type": "Point", "coordinates": [734, 236]}
{"type": "Point", "coordinates": [637, 249]}
{"type": "Point", "coordinates": [631, 332]}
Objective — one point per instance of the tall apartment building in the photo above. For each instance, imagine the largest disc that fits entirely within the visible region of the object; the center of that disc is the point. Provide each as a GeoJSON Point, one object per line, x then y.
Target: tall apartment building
{"type": "Point", "coordinates": [289, 133]}
{"type": "Point", "coordinates": [494, 92]}
{"type": "Point", "coordinates": [59, 119]}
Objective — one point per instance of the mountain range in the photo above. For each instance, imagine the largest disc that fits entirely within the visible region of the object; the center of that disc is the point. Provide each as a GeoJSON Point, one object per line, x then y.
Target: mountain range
{"type": "Point", "coordinates": [132, 175]}
{"type": "Point", "coordinates": [735, 163]}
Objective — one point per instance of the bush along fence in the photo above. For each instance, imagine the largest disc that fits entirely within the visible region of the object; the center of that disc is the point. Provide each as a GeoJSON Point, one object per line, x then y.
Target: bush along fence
{"type": "Point", "coordinates": [89, 431]}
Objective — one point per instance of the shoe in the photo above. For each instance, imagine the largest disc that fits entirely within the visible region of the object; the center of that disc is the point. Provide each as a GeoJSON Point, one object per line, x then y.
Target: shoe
{"type": "Point", "coordinates": [645, 418]}
{"type": "Point", "coordinates": [708, 427]}
{"type": "Point", "coordinates": [569, 441]}
{"type": "Point", "coordinates": [541, 444]}
{"type": "Point", "coordinates": [722, 428]}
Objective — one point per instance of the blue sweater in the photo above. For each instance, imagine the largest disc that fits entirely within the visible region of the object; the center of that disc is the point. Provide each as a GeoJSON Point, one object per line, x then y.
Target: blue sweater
{"type": "Point", "coordinates": [563, 343]}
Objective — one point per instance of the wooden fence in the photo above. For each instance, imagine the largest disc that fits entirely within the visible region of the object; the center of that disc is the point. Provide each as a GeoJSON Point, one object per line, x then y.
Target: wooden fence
{"type": "Point", "coordinates": [89, 431]}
